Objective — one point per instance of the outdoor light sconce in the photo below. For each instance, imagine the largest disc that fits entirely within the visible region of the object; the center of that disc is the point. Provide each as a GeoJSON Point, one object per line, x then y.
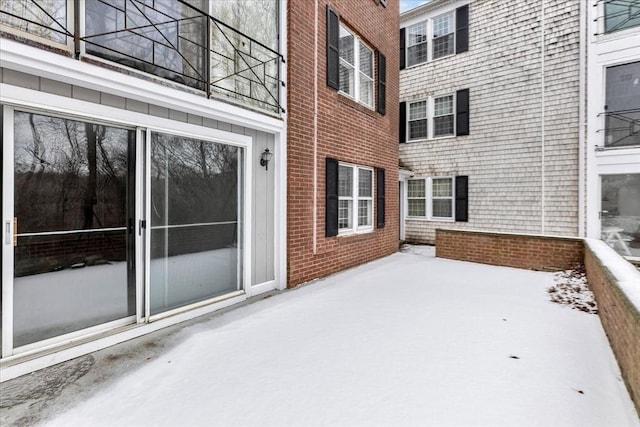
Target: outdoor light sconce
{"type": "Point", "coordinates": [265, 158]}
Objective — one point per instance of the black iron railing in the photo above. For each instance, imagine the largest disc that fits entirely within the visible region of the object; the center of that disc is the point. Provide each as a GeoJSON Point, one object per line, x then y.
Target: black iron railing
{"type": "Point", "coordinates": [173, 40]}
{"type": "Point", "coordinates": [622, 128]}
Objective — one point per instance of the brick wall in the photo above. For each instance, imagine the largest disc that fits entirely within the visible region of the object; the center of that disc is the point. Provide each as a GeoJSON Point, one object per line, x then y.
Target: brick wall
{"type": "Point", "coordinates": [619, 317]}
{"type": "Point", "coordinates": [347, 131]}
{"type": "Point", "coordinates": [502, 155]}
{"type": "Point", "coordinates": [511, 250]}
{"type": "Point", "coordinates": [606, 271]}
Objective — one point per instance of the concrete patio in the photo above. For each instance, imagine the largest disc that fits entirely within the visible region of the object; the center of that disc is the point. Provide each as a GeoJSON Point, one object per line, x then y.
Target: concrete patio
{"type": "Point", "coordinates": [407, 340]}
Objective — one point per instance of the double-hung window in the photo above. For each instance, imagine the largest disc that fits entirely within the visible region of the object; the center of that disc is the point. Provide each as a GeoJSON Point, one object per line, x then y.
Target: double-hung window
{"type": "Point", "coordinates": [622, 105]}
{"type": "Point", "coordinates": [443, 35]}
{"type": "Point", "coordinates": [433, 117]}
{"type": "Point", "coordinates": [355, 198]}
{"type": "Point", "coordinates": [443, 116]}
{"type": "Point", "coordinates": [418, 120]}
{"type": "Point", "coordinates": [431, 198]}
{"type": "Point", "coordinates": [356, 68]}
{"type": "Point", "coordinates": [435, 37]}
{"type": "Point", "coordinates": [417, 49]}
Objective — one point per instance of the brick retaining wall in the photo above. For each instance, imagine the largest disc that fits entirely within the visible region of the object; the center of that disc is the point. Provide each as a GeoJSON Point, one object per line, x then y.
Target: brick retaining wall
{"type": "Point", "coordinates": [606, 273]}
{"type": "Point", "coordinates": [511, 250]}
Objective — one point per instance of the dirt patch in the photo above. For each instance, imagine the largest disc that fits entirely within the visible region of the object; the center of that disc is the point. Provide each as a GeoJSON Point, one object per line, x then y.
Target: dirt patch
{"type": "Point", "coordinates": [571, 289]}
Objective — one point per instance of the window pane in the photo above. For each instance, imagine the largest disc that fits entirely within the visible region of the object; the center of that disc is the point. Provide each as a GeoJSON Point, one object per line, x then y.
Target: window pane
{"type": "Point", "coordinates": [442, 187]}
{"type": "Point", "coordinates": [418, 110]}
{"type": "Point", "coordinates": [418, 129]}
{"type": "Point", "coordinates": [346, 46]}
{"type": "Point", "coordinates": [366, 90]}
{"type": "Point", "coordinates": [443, 105]}
{"type": "Point", "coordinates": [442, 25]}
{"type": "Point", "coordinates": [442, 46]}
{"type": "Point", "coordinates": [49, 20]}
{"type": "Point", "coordinates": [345, 181]}
{"type": "Point", "coordinates": [621, 14]}
{"type": "Point", "coordinates": [442, 208]}
{"type": "Point", "coordinates": [417, 54]}
{"type": "Point", "coordinates": [622, 120]}
{"type": "Point", "coordinates": [417, 34]}
{"type": "Point", "coordinates": [364, 212]}
{"type": "Point", "coordinates": [443, 126]}
{"type": "Point", "coordinates": [366, 61]}
{"type": "Point", "coordinates": [416, 188]}
{"type": "Point", "coordinates": [364, 183]}
{"type": "Point", "coordinates": [344, 214]}
{"type": "Point", "coordinates": [347, 77]}
{"type": "Point", "coordinates": [163, 37]}
{"type": "Point", "coordinates": [620, 208]}
{"type": "Point", "coordinates": [417, 207]}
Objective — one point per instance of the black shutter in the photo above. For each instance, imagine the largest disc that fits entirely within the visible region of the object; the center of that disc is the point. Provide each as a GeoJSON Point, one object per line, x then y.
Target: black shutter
{"type": "Point", "coordinates": [380, 197]}
{"type": "Point", "coordinates": [331, 198]}
{"type": "Point", "coordinates": [382, 82]}
{"type": "Point", "coordinates": [402, 50]}
{"type": "Point", "coordinates": [462, 198]}
{"type": "Point", "coordinates": [462, 29]}
{"type": "Point", "coordinates": [462, 112]}
{"type": "Point", "coordinates": [333, 48]}
{"type": "Point", "coordinates": [403, 122]}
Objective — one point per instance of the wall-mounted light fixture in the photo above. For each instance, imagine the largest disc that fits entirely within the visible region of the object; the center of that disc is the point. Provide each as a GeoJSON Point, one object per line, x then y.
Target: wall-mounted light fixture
{"type": "Point", "coordinates": [265, 158]}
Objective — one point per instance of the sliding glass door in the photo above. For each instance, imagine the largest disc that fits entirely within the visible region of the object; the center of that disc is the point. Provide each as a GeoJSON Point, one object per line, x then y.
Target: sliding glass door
{"type": "Point", "coordinates": [195, 228]}
{"type": "Point", "coordinates": [108, 225]}
{"type": "Point", "coordinates": [72, 211]}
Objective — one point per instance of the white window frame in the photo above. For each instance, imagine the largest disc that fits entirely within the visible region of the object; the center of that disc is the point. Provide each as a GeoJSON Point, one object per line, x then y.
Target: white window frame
{"type": "Point", "coordinates": [429, 25]}
{"type": "Point", "coordinates": [355, 198]}
{"type": "Point", "coordinates": [357, 74]}
{"type": "Point", "coordinates": [422, 198]}
{"type": "Point", "coordinates": [426, 117]}
{"type": "Point", "coordinates": [430, 117]}
{"type": "Point", "coordinates": [453, 115]}
{"type": "Point", "coordinates": [429, 198]}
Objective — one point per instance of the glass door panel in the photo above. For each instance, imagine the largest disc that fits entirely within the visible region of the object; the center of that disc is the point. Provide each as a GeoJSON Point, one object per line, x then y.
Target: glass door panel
{"type": "Point", "coordinates": [620, 213]}
{"type": "Point", "coordinates": [195, 229]}
{"type": "Point", "coordinates": [73, 207]}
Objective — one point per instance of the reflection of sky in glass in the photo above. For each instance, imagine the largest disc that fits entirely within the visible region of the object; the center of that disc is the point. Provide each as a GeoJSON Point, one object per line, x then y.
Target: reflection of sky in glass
{"type": "Point", "coordinates": [410, 4]}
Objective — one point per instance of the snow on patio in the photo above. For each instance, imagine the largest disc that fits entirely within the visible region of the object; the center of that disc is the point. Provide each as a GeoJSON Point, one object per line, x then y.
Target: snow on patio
{"type": "Point", "coordinates": [406, 340]}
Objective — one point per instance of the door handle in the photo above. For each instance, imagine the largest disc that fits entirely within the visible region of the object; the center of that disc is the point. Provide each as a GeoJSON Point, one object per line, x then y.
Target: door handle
{"type": "Point", "coordinates": [7, 232]}
{"type": "Point", "coordinates": [11, 232]}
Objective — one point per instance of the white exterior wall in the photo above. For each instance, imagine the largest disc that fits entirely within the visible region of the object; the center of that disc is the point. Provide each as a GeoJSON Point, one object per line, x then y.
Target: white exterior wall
{"type": "Point", "coordinates": [605, 50]}
{"type": "Point", "coordinates": [522, 168]}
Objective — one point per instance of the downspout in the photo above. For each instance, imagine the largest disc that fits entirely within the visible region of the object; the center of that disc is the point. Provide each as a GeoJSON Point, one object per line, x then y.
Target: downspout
{"type": "Point", "coordinates": [315, 133]}
{"type": "Point", "coordinates": [582, 120]}
{"type": "Point", "coordinates": [542, 118]}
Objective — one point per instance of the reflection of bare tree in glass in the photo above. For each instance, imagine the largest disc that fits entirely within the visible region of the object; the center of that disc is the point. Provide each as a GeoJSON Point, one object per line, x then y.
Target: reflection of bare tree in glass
{"type": "Point", "coordinates": [44, 18]}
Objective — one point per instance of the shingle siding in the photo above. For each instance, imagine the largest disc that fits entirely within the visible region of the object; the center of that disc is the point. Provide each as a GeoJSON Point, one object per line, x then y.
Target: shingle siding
{"type": "Point", "coordinates": [503, 153]}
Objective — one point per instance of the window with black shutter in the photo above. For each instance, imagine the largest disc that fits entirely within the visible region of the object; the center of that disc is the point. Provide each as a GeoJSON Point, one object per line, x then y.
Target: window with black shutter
{"type": "Point", "coordinates": [331, 197]}
{"type": "Point", "coordinates": [382, 82]}
{"type": "Point", "coordinates": [380, 191]}
{"type": "Point", "coordinates": [462, 29]}
{"type": "Point", "coordinates": [402, 49]}
{"type": "Point", "coordinates": [462, 112]}
{"type": "Point", "coordinates": [333, 49]}
{"type": "Point", "coordinates": [462, 203]}
{"type": "Point", "coordinates": [403, 122]}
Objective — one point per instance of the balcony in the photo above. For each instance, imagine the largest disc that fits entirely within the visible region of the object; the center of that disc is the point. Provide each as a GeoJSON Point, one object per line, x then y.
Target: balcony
{"type": "Point", "coordinates": [622, 128]}
{"type": "Point", "coordinates": [621, 14]}
{"type": "Point", "coordinates": [224, 49]}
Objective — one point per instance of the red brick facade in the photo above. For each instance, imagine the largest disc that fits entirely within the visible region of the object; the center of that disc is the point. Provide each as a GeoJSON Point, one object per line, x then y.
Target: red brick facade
{"type": "Point", "coordinates": [346, 131]}
{"type": "Point", "coordinates": [510, 250]}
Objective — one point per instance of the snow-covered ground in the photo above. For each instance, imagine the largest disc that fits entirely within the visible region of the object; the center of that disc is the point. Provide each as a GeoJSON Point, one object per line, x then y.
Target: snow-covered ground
{"type": "Point", "coordinates": [406, 340]}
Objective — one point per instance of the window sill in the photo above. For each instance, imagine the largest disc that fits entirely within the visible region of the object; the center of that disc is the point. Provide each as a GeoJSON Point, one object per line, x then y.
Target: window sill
{"type": "Point", "coordinates": [348, 233]}
{"type": "Point", "coordinates": [425, 219]}
{"type": "Point", "coordinates": [350, 102]}
{"type": "Point", "coordinates": [409, 141]}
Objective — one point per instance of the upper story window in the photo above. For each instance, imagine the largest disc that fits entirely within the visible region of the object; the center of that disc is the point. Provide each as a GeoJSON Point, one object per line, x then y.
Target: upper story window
{"type": "Point", "coordinates": [435, 117]}
{"type": "Point", "coordinates": [352, 65]}
{"type": "Point", "coordinates": [46, 19]}
{"type": "Point", "coordinates": [225, 47]}
{"type": "Point", "coordinates": [621, 14]}
{"type": "Point", "coordinates": [417, 46]}
{"type": "Point", "coordinates": [356, 68]}
{"type": "Point", "coordinates": [622, 109]}
{"type": "Point", "coordinates": [442, 35]}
